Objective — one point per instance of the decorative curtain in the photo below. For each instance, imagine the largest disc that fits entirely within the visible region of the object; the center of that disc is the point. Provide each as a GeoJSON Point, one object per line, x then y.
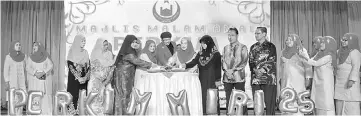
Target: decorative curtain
{"type": "Point", "coordinates": [309, 19]}
{"type": "Point", "coordinates": [30, 21]}
{"type": "Point", "coordinates": [354, 17]}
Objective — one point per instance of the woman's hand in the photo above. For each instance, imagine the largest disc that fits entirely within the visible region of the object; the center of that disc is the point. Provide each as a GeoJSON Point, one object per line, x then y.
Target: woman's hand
{"type": "Point", "coordinates": [350, 83]}
{"type": "Point", "coordinates": [218, 83]}
{"type": "Point", "coordinates": [154, 65]}
{"type": "Point", "coordinates": [303, 55]}
{"type": "Point", "coordinates": [183, 66]}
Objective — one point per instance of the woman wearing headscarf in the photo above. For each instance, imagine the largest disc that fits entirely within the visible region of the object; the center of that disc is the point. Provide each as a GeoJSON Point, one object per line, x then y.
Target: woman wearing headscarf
{"type": "Point", "coordinates": [347, 87]}
{"type": "Point", "coordinates": [209, 65]}
{"type": "Point", "coordinates": [123, 81]}
{"type": "Point", "coordinates": [101, 60]}
{"type": "Point", "coordinates": [316, 44]}
{"type": "Point", "coordinates": [14, 71]}
{"type": "Point", "coordinates": [186, 52]}
{"type": "Point", "coordinates": [38, 68]}
{"type": "Point", "coordinates": [294, 71]}
{"type": "Point", "coordinates": [147, 54]}
{"type": "Point", "coordinates": [79, 70]}
{"type": "Point", "coordinates": [323, 79]}
{"type": "Point", "coordinates": [110, 48]}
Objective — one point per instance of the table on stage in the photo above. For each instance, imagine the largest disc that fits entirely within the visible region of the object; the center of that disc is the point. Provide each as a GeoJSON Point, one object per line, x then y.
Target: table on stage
{"type": "Point", "coordinates": [171, 82]}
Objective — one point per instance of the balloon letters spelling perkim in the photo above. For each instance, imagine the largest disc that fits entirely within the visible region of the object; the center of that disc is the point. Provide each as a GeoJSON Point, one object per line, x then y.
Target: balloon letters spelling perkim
{"type": "Point", "coordinates": [138, 99]}
{"type": "Point", "coordinates": [15, 101]}
{"type": "Point", "coordinates": [288, 96]}
{"type": "Point", "coordinates": [178, 101]}
{"type": "Point", "coordinates": [85, 101]}
{"type": "Point", "coordinates": [258, 102]}
{"type": "Point", "coordinates": [212, 102]}
{"type": "Point", "coordinates": [109, 100]}
{"type": "Point", "coordinates": [62, 100]}
{"type": "Point", "coordinates": [32, 96]}
{"type": "Point", "coordinates": [307, 105]}
{"type": "Point", "coordinates": [235, 103]}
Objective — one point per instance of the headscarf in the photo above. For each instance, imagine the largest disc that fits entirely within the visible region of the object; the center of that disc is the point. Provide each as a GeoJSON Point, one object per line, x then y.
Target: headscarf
{"type": "Point", "coordinates": [105, 58]}
{"type": "Point", "coordinates": [110, 47]}
{"type": "Point", "coordinates": [210, 45]}
{"type": "Point", "coordinates": [126, 47]}
{"type": "Point", "coordinates": [41, 55]}
{"type": "Point", "coordinates": [330, 49]}
{"type": "Point", "coordinates": [317, 42]}
{"type": "Point", "coordinates": [288, 52]}
{"type": "Point", "coordinates": [17, 56]}
{"type": "Point", "coordinates": [151, 55]}
{"type": "Point", "coordinates": [345, 51]}
{"type": "Point", "coordinates": [76, 53]}
{"type": "Point", "coordinates": [186, 55]}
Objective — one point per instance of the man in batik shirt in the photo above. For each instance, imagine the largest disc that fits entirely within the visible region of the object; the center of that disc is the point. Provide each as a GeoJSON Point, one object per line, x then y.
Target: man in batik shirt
{"type": "Point", "coordinates": [235, 57]}
{"type": "Point", "coordinates": [262, 63]}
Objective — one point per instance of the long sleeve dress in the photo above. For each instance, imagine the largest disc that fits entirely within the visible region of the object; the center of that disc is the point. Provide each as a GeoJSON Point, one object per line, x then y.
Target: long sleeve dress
{"type": "Point", "coordinates": [77, 71]}
{"type": "Point", "coordinates": [294, 72]}
{"type": "Point", "coordinates": [293, 75]}
{"type": "Point", "coordinates": [97, 84]}
{"type": "Point", "coordinates": [209, 73]}
{"type": "Point", "coordinates": [349, 70]}
{"type": "Point", "coordinates": [323, 85]}
{"type": "Point", "coordinates": [123, 80]}
{"type": "Point", "coordinates": [14, 73]}
{"type": "Point", "coordinates": [44, 86]}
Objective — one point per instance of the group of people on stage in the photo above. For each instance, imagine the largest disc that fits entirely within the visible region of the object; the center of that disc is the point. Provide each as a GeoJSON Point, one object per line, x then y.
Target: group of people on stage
{"type": "Point", "coordinates": [333, 74]}
{"type": "Point", "coordinates": [30, 73]}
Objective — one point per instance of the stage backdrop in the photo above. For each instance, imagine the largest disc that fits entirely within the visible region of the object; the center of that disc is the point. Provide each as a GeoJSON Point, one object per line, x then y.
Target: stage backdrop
{"type": "Point", "coordinates": [147, 19]}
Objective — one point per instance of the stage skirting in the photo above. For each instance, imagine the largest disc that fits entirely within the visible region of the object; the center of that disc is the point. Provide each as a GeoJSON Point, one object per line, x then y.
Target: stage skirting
{"type": "Point", "coordinates": [160, 84]}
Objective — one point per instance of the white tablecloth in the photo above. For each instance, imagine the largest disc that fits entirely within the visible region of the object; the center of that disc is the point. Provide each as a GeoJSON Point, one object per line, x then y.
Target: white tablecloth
{"type": "Point", "coordinates": [160, 85]}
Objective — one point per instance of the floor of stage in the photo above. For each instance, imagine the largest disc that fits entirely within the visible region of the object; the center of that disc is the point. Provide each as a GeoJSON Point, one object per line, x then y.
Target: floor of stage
{"type": "Point", "coordinates": [223, 112]}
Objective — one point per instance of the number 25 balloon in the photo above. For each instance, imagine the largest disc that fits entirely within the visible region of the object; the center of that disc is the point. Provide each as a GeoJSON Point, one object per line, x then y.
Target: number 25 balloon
{"type": "Point", "coordinates": [288, 96]}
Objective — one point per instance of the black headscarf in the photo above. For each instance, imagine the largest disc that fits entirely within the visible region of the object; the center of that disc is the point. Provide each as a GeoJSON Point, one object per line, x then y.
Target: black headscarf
{"type": "Point", "coordinates": [126, 48]}
{"type": "Point", "coordinates": [210, 45]}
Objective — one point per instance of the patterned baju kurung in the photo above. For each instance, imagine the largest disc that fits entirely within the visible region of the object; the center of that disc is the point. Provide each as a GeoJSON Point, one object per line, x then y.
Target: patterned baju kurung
{"type": "Point", "coordinates": [123, 80]}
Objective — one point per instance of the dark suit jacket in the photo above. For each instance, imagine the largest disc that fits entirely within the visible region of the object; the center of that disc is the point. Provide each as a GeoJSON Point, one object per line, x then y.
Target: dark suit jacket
{"type": "Point", "coordinates": [163, 53]}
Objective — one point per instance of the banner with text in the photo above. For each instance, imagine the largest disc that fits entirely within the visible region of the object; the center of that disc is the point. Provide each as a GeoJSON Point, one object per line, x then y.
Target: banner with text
{"type": "Point", "coordinates": [147, 19]}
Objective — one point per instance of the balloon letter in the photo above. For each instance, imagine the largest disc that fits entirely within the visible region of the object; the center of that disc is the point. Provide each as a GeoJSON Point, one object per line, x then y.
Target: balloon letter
{"type": "Point", "coordinates": [15, 101]}
{"type": "Point", "coordinates": [38, 95]}
{"type": "Point", "coordinates": [138, 99]}
{"type": "Point", "coordinates": [85, 101]}
{"type": "Point", "coordinates": [258, 102]}
{"type": "Point", "coordinates": [178, 101]}
{"type": "Point", "coordinates": [235, 103]}
{"type": "Point", "coordinates": [212, 102]}
{"type": "Point", "coordinates": [109, 100]}
{"type": "Point", "coordinates": [288, 96]}
{"type": "Point", "coordinates": [62, 100]}
{"type": "Point", "coordinates": [307, 105]}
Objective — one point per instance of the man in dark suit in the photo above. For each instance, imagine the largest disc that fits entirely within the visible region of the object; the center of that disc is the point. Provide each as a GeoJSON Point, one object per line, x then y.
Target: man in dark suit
{"type": "Point", "coordinates": [165, 49]}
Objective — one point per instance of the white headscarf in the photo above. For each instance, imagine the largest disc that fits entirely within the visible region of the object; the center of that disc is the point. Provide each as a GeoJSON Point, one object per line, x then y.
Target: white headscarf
{"type": "Point", "coordinates": [105, 58]}
{"type": "Point", "coordinates": [76, 53]}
